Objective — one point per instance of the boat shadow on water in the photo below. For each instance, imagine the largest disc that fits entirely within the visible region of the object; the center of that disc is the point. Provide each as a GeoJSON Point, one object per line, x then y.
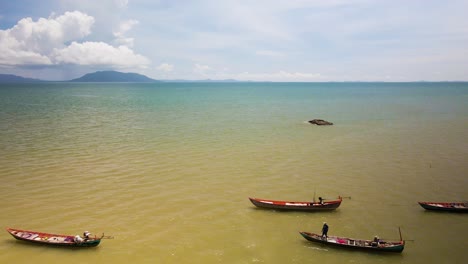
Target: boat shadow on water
{"type": "Point", "coordinates": [441, 212]}
{"type": "Point", "coordinates": [293, 212]}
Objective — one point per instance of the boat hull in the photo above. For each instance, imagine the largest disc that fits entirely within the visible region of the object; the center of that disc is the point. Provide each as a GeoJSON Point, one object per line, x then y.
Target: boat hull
{"type": "Point", "coordinates": [51, 239]}
{"type": "Point", "coordinates": [445, 206]}
{"type": "Point", "coordinates": [296, 206]}
{"type": "Point", "coordinates": [357, 244]}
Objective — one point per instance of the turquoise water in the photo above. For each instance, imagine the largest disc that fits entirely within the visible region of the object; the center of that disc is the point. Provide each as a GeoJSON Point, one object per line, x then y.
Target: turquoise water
{"type": "Point", "coordinates": [167, 168]}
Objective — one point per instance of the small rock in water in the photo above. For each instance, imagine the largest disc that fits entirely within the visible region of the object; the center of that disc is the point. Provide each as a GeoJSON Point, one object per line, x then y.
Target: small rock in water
{"type": "Point", "coordinates": [320, 122]}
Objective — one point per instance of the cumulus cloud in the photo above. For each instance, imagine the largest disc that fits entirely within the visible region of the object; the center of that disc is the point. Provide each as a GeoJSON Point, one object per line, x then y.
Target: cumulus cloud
{"type": "Point", "coordinates": [165, 67]}
{"type": "Point", "coordinates": [98, 53]}
{"type": "Point", "coordinates": [29, 42]}
{"type": "Point", "coordinates": [53, 40]}
{"type": "Point", "coordinates": [10, 56]}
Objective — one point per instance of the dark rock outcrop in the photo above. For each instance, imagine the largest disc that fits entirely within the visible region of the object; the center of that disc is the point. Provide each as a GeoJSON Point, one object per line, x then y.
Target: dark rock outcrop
{"type": "Point", "coordinates": [320, 122]}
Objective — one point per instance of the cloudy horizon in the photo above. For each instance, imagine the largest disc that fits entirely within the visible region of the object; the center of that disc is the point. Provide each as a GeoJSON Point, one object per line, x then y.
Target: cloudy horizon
{"type": "Point", "coordinates": [356, 40]}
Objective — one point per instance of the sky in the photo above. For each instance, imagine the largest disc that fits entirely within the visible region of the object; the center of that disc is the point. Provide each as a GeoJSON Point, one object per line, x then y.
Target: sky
{"type": "Point", "coordinates": [261, 40]}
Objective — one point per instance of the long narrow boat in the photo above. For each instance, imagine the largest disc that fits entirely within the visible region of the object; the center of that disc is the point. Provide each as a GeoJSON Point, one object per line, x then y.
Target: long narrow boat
{"type": "Point", "coordinates": [385, 246]}
{"type": "Point", "coordinates": [297, 206]}
{"type": "Point", "coordinates": [52, 239]}
{"type": "Point", "coordinates": [445, 206]}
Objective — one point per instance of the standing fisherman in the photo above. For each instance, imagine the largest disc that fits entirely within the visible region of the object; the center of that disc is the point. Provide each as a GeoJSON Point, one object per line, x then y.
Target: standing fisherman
{"type": "Point", "coordinates": [325, 230]}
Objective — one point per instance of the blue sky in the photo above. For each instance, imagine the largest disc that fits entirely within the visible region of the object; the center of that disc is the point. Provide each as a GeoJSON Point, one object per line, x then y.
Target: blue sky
{"type": "Point", "coordinates": [262, 40]}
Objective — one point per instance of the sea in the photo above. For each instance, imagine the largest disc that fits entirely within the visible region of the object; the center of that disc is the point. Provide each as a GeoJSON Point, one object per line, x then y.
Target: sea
{"type": "Point", "coordinates": [166, 169]}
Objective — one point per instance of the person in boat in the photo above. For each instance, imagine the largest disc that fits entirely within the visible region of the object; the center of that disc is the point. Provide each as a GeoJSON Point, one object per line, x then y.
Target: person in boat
{"type": "Point", "coordinates": [86, 235]}
{"type": "Point", "coordinates": [320, 200]}
{"type": "Point", "coordinates": [325, 230]}
{"type": "Point", "coordinates": [78, 239]}
{"type": "Point", "coordinates": [375, 242]}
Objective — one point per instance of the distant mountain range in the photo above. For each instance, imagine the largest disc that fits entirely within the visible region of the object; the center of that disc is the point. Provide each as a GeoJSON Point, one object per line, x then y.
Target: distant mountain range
{"type": "Point", "coordinates": [10, 78]}
{"type": "Point", "coordinates": [100, 76]}
{"type": "Point", "coordinates": [115, 76]}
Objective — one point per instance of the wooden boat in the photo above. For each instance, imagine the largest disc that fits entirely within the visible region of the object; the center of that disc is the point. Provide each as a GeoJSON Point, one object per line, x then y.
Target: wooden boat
{"type": "Point", "coordinates": [445, 206]}
{"type": "Point", "coordinates": [52, 239]}
{"type": "Point", "coordinates": [385, 246]}
{"type": "Point", "coordinates": [297, 206]}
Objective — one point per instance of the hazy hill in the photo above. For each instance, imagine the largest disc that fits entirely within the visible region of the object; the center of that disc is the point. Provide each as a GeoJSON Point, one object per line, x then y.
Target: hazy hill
{"type": "Point", "coordinates": [10, 78]}
{"type": "Point", "coordinates": [113, 76]}
{"type": "Point", "coordinates": [105, 76]}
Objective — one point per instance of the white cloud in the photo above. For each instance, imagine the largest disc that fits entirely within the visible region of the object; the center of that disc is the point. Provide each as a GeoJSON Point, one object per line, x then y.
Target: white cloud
{"type": "Point", "coordinates": [165, 67]}
{"type": "Point", "coordinates": [36, 39]}
{"type": "Point", "coordinates": [73, 25]}
{"type": "Point", "coordinates": [47, 42]}
{"type": "Point", "coordinates": [11, 54]}
{"type": "Point", "coordinates": [99, 53]}
{"type": "Point", "coordinates": [127, 25]}
{"type": "Point", "coordinates": [124, 27]}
